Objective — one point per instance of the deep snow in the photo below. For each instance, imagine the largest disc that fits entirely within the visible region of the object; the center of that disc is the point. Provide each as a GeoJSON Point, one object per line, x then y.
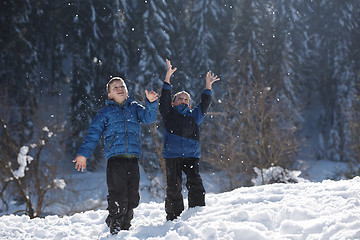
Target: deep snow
{"type": "Point", "coordinates": [307, 210]}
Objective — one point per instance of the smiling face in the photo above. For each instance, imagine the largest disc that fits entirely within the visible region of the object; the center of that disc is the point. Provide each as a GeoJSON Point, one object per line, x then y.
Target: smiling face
{"type": "Point", "coordinates": [117, 91]}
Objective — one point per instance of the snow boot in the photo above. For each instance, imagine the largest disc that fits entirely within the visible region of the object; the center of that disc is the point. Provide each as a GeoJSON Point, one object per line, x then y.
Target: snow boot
{"type": "Point", "coordinates": [127, 219]}
{"type": "Point", "coordinates": [114, 224]}
{"type": "Point", "coordinates": [116, 216]}
{"type": "Point", "coordinates": [171, 216]}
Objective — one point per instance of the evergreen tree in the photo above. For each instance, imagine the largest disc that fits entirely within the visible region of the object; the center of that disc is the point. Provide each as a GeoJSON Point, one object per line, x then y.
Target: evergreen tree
{"type": "Point", "coordinates": [257, 128]}
{"type": "Point", "coordinates": [85, 80]}
{"type": "Point", "coordinates": [328, 70]}
{"type": "Point", "coordinates": [20, 66]}
{"type": "Point", "coordinates": [31, 62]}
{"type": "Point", "coordinates": [155, 46]}
{"type": "Point", "coordinates": [51, 44]}
{"type": "Point", "coordinates": [135, 25]}
{"type": "Point", "coordinates": [178, 24]}
{"type": "Point", "coordinates": [344, 73]}
{"type": "Point", "coordinates": [282, 56]}
{"type": "Point", "coordinates": [207, 28]}
{"type": "Point", "coordinates": [354, 114]}
{"type": "Point", "coordinates": [112, 45]}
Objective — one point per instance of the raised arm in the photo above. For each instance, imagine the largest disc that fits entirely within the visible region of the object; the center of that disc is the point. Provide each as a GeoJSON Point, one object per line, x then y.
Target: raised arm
{"type": "Point", "coordinates": [169, 71]}
{"type": "Point", "coordinates": [165, 98]}
{"type": "Point", "coordinates": [148, 113]}
{"type": "Point", "coordinates": [201, 109]}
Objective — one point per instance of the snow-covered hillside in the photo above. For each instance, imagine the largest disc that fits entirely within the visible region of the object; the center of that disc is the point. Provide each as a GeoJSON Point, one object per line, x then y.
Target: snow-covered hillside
{"type": "Point", "coordinates": [322, 210]}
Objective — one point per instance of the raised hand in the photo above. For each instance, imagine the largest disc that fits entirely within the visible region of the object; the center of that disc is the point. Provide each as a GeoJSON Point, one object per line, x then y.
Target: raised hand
{"type": "Point", "coordinates": [210, 79]}
{"type": "Point", "coordinates": [151, 96]}
{"type": "Point", "coordinates": [169, 72]}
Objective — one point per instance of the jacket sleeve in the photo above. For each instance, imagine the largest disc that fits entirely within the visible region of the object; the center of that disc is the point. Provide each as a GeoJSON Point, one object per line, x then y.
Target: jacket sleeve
{"type": "Point", "coordinates": [148, 113]}
{"type": "Point", "coordinates": [165, 100]}
{"type": "Point", "coordinates": [202, 108]}
{"type": "Point", "coordinates": [93, 136]}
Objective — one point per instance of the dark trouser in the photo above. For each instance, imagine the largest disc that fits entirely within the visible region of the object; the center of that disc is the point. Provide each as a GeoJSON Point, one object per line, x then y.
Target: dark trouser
{"type": "Point", "coordinates": [174, 203]}
{"type": "Point", "coordinates": [122, 175]}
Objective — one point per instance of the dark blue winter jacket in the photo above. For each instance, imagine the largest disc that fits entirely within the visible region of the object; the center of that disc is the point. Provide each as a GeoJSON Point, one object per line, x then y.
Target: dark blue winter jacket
{"type": "Point", "coordinates": [181, 125]}
{"type": "Point", "coordinates": [120, 126]}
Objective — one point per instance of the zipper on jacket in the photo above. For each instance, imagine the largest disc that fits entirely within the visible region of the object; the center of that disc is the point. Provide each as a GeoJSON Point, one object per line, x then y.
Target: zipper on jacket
{"type": "Point", "coordinates": [137, 139]}
{"type": "Point", "coordinates": [126, 135]}
{"type": "Point", "coordinates": [181, 144]}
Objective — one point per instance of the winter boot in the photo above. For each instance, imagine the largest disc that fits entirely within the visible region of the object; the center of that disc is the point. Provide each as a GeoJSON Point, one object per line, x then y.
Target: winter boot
{"type": "Point", "coordinates": [127, 219]}
{"type": "Point", "coordinates": [114, 224]}
{"type": "Point", "coordinates": [116, 217]}
{"type": "Point", "coordinates": [172, 216]}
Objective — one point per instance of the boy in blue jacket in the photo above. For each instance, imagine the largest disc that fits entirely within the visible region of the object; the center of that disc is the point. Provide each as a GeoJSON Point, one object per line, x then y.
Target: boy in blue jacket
{"type": "Point", "coordinates": [119, 123]}
{"type": "Point", "coordinates": [181, 148]}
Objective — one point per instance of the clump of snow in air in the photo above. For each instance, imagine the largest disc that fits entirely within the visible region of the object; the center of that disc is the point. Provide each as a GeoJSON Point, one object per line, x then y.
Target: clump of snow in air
{"type": "Point", "coordinates": [23, 159]}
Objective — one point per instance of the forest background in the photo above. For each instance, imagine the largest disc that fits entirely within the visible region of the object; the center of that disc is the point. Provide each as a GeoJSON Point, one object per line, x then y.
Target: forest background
{"type": "Point", "coordinates": [289, 89]}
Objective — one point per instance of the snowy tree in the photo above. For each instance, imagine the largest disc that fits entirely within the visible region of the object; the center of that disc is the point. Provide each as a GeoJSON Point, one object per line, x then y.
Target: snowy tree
{"type": "Point", "coordinates": [353, 118]}
{"type": "Point", "coordinates": [207, 39]}
{"type": "Point", "coordinates": [178, 24]}
{"type": "Point", "coordinates": [19, 78]}
{"type": "Point", "coordinates": [282, 56]}
{"type": "Point", "coordinates": [257, 126]}
{"type": "Point", "coordinates": [344, 71]}
{"type": "Point", "coordinates": [353, 115]}
{"type": "Point", "coordinates": [112, 19]}
{"type": "Point", "coordinates": [328, 71]}
{"type": "Point", "coordinates": [155, 47]}
{"type": "Point", "coordinates": [135, 26]}
{"type": "Point", "coordinates": [51, 42]}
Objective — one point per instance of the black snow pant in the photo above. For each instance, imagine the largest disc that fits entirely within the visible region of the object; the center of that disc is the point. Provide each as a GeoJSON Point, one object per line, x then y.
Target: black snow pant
{"type": "Point", "coordinates": [174, 203]}
{"type": "Point", "coordinates": [122, 175]}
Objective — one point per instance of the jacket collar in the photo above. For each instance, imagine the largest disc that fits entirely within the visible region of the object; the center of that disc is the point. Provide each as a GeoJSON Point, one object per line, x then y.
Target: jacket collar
{"type": "Point", "coordinates": [111, 102]}
{"type": "Point", "coordinates": [182, 108]}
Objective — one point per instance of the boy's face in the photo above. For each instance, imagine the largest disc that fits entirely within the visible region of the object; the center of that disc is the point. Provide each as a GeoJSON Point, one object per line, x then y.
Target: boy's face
{"type": "Point", "coordinates": [182, 98]}
{"type": "Point", "coordinates": [118, 91]}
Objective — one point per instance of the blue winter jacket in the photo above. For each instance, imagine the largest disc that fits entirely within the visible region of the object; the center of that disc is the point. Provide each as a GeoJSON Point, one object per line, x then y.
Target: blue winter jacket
{"type": "Point", "coordinates": [120, 126]}
{"type": "Point", "coordinates": [181, 125]}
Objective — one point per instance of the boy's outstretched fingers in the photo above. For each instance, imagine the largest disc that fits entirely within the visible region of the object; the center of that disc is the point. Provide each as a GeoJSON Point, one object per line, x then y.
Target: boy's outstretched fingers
{"type": "Point", "coordinates": [170, 71]}
{"type": "Point", "coordinates": [80, 163]}
{"type": "Point", "coordinates": [151, 96]}
{"type": "Point", "coordinates": [169, 66]}
{"type": "Point", "coordinates": [211, 77]}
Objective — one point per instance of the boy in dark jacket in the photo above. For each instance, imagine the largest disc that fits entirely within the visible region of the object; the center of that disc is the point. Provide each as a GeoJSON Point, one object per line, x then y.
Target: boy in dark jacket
{"type": "Point", "coordinates": [119, 123]}
{"type": "Point", "coordinates": [181, 148]}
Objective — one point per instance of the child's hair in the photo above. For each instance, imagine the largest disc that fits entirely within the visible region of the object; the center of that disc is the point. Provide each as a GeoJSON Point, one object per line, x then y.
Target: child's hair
{"type": "Point", "coordinates": [178, 93]}
{"type": "Point", "coordinates": [111, 81]}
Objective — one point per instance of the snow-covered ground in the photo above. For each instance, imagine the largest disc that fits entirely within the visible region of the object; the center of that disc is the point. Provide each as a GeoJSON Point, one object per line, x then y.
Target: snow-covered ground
{"type": "Point", "coordinates": [321, 209]}
{"type": "Point", "coordinates": [308, 210]}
